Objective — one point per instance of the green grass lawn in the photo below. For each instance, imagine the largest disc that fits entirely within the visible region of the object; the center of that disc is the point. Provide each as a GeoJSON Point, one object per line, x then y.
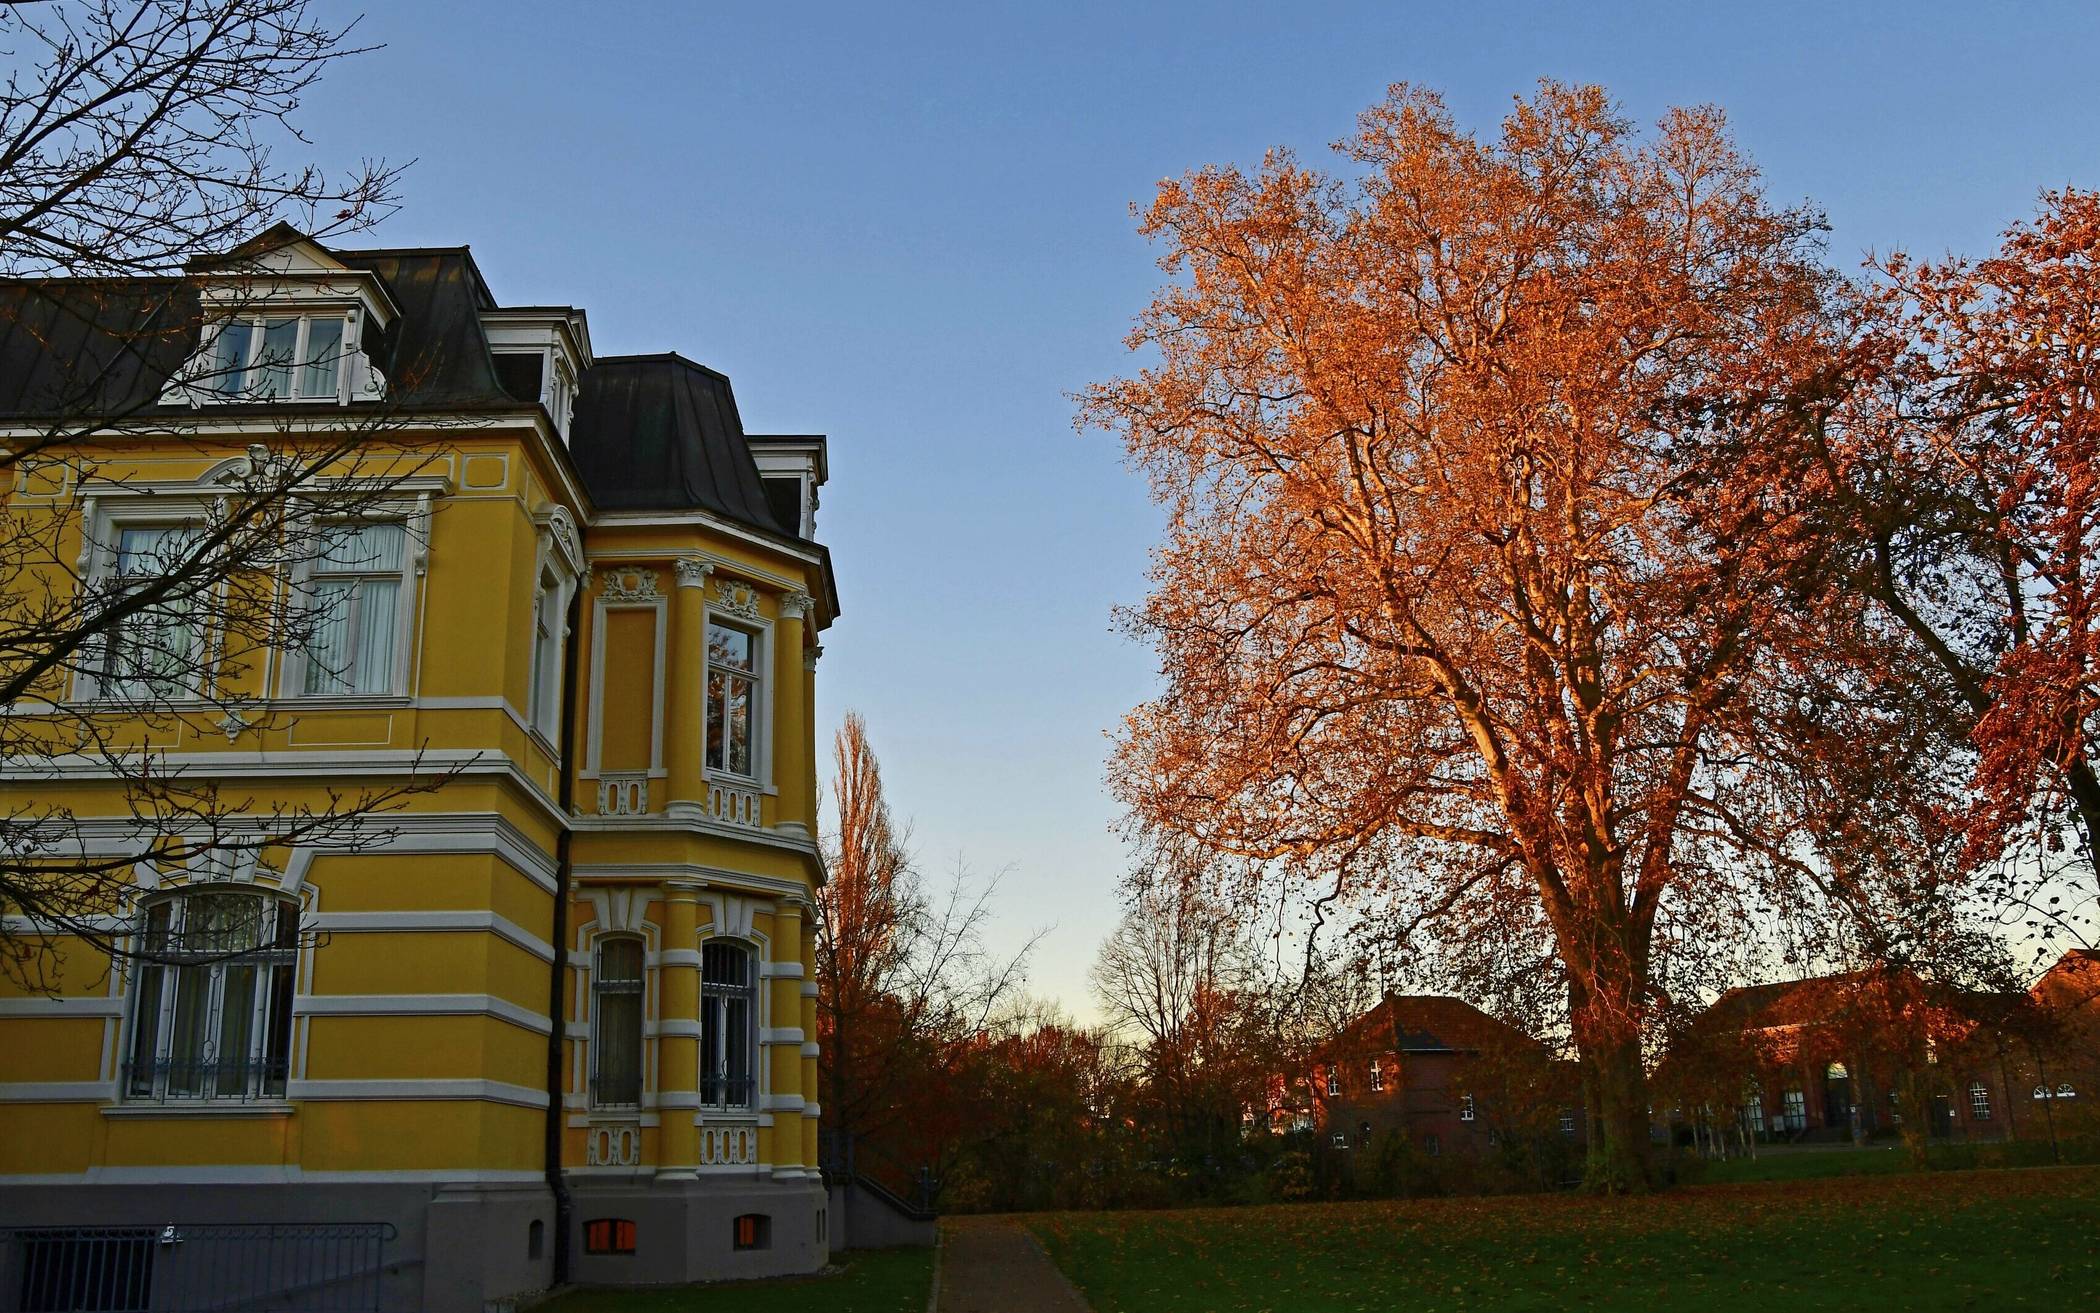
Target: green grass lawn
{"type": "Point", "coordinates": [1883, 1158]}
{"type": "Point", "coordinates": [1940, 1240]}
{"type": "Point", "coordinates": [867, 1281]}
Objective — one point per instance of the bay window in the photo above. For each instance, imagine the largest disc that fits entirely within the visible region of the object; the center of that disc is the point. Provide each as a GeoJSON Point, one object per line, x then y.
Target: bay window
{"type": "Point", "coordinates": [728, 997]}
{"type": "Point", "coordinates": [211, 1005]}
{"type": "Point", "coordinates": [733, 685]}
{"type": "Point", "coordinates": [616, 1024]}
{"type": "Point", "coordinates": [355, 589]}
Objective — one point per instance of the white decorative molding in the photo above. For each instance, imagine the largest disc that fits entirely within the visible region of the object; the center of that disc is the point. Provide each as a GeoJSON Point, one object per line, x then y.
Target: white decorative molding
{"type": "Point", "coordinates": [737, 598]}
{"type": "Point", "coordinates": [692, 571]}
{"type": "Point", "coordinates": [810, 655]}
{"type": "Point", "coordinates": [621, 911]}
{"type": "Point", "coordinates": [728, 1146]}
{"type": "Point", "coordinates": [623, 793]}
{"type": "Point", "coordinates": [733, 804]}
{"type": "Point", "coordinates": [626, 584]}
{"type": "Point", "coordinates": [796, 605]}
{"type": "Point", "coordinates": [561, 527]}
{"type": "Point", "coordinates": [617, 1145]}
{"type": "Point", "coordinates": [236, 722]}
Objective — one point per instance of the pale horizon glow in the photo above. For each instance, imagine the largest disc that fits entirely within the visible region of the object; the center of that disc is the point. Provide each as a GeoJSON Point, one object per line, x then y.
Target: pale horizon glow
{"type": "Point", "coordinates": [910, 230]}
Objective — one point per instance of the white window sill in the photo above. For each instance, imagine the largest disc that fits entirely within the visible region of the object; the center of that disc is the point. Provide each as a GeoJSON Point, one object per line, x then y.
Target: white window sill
{"type": "Point", "coordinates": [337, 702]}
{"type": "Point", "coordinates": [200, 1108]}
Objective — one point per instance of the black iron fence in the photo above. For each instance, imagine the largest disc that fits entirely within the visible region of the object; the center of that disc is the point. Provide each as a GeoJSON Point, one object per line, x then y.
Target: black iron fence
{"type": "Point", "coordinates": [332, 1267]}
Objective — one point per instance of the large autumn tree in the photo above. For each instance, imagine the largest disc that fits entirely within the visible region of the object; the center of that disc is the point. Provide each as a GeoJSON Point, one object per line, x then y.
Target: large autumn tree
{"type": "Point", "coordinates": [1963, 467]}
{"type": "Point", "coordinates": [1472, 594]}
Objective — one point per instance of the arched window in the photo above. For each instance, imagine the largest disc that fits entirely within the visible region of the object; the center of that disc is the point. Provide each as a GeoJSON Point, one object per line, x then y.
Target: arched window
{"type": "Point", "coordinates": [2066, 1092]}
{"type": "Point", "coordinates": [1979, 1102]}
{"type": "Point", "coordinates": [1836, 1071]}
{"type": "Point", "coordinates": [616, 1023]}
{"type": "Point", "coordinates": [211, 1005]}
{"type": "Point", "coordinates": [728, 998]}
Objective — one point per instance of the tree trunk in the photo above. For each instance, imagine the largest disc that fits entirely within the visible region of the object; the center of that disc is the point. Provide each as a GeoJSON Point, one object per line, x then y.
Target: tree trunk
{"type": "Point", "coordinates": [1617, 1087]}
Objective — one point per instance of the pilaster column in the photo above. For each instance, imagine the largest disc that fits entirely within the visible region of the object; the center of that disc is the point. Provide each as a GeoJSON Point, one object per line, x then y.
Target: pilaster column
{"type": "Point", "coordinates": [783, 1048]}
{"type": "Point", "coordinates": [678, 1031]}
{"type": "Point", "coordinates": [794, 746]}
{"type": "Point", "coordinates": [686, 733]}
{"type": "Point", "coordinates": [812, 1091]}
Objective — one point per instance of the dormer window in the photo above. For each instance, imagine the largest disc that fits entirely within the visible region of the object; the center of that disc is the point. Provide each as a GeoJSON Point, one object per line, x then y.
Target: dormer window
{"type": "Point", "coordinates": [276, 358]}
{"type": "Point", "coordinates": [539, 353]}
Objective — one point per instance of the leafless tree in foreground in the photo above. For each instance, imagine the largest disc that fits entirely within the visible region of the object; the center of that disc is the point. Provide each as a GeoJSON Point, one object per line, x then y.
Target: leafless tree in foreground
{"type": "Point", "coordinates": [134, 156]}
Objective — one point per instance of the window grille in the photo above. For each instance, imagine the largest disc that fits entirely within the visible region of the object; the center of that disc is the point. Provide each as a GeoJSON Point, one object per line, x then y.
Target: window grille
{"type": "Point", "coordinates": [616, 1024]}
{"type": "Point", "coordinates": [727, 1001]}
{"type": "Point", "coordinates": [211, 1002]}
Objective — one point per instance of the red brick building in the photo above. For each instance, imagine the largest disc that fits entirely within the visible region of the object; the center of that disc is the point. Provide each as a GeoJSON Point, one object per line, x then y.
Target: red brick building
{"type": "Point", "coordinates": [1451, 1079]}
{"type": "Point", "coordinates": [1852, 1056]}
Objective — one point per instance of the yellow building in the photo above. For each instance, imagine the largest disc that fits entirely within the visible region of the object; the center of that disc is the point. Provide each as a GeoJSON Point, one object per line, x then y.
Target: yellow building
{"type": "Point", "coordinates": [594, 939]}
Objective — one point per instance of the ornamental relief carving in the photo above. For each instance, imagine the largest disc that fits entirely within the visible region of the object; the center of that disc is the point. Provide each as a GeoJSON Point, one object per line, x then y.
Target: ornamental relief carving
{"type": "Point", "coordinates": [737, 598]}
{"type": "Point", "coordinates": [692, 571]}
{"type": "Point", "coordinates": [625, 584]}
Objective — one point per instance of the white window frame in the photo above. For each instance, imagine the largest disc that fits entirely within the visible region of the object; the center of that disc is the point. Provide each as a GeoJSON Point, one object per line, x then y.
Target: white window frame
{"type": "Point", "coordinates": [296, 665]}
{"type": "Point", "coordinates": [1377, 1077]}
{"type": "Point", "coordinates": [762, 693]}
{"type": "Point", "coordinates": [105, 526]}
{"type": "Point", "coordinates": [262, 1076]}
{"type": "Point", "coordinates": [545, 671]}
{"type": "Point", "coordinates": [640, 990]}
{"type": "Point", "coordinates": [208, 382]}
{"type": "Point", "coordinates": [1334, 1082]}
{"type": "Point", "coordinates": [1465, 1107]}
{"type": "Point", "coordinates": [1979, 1102]}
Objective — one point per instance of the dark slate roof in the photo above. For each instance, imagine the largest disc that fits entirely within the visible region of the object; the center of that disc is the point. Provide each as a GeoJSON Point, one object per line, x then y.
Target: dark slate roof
{"type": "Point", "coordinates": [662, 433]}
{"type": "Point", "coordinates": [1434, 1023]}
{"type": "Point", "coordinates": [90, 346]}
{"type": "Point", "coordinates": [435, 353]}
{"type": "Point", "coordinates": [649, 432]}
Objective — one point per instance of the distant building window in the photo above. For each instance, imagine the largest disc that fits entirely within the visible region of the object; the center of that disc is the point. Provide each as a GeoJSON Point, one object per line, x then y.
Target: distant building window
{"type": "Point", "coordinates": [727, 999]}
{"type": "Point", "coordinates": [2061, 1092]}
{"type": "Point", "coordinates": [1341, 1140]}
{"type": "Point", "coordinates": [211, 1000]}
{"type": "Point", "coordinates": [1567, 1122]}
{"type": "Point", "coordinates": [1793, 1111]}
{"type": "Point", "coordinates": [278, 358]}
{"type": "Point", "coordinates": [1465, 1107]}
{"type": "Point", "coordinates": [1979, 1102]}
{"type": "Point", "coordinates": [355, 595]}
{"type": "Point", "coordinates": [1377, 1076]}
{"type": "Point", "coordinates": [608, 1235]}
{"type": "Point", "coordinates": [1754, 1112]}
{"type": "Point", "coordinates": [1836, 1071]}
{"type": "Point", "coordinates": [732, 699]}
{"type": "Point", "coordinates": [616, 1024]}
{"type": "Point", "coordinates": [1432, 1146]}
{"type": "Point", "coordinates": [1334, 1082]}
{"type": "Point", "coordinates": [2066, 1092]}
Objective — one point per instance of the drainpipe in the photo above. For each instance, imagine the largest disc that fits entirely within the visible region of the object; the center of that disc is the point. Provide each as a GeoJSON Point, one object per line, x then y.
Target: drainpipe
{"type": "Point", "coordinates": [557, 979]}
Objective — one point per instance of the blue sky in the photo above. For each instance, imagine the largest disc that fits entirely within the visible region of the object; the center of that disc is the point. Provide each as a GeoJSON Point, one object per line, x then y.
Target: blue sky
{"type": "Point", "coordinates": [908, 227]}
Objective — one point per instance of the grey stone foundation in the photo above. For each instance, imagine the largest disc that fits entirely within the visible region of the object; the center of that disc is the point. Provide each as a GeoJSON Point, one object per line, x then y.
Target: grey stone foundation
{"type": "Point", "coordinates": [452, 1248]}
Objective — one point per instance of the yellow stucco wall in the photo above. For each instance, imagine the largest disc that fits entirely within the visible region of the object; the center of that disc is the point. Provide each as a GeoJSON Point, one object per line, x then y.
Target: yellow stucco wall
{"type": "Point", "coordinates": [420, 1034]}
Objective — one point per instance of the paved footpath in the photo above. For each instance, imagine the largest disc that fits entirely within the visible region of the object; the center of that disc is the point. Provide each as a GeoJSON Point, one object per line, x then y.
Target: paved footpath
{"type": "Point", "coordinates": [992, 1265]}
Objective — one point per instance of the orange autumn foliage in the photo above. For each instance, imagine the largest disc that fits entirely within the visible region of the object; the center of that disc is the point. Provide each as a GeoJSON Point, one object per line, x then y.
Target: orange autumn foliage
{"type": "Point", "coordinates": [1472, 591]}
